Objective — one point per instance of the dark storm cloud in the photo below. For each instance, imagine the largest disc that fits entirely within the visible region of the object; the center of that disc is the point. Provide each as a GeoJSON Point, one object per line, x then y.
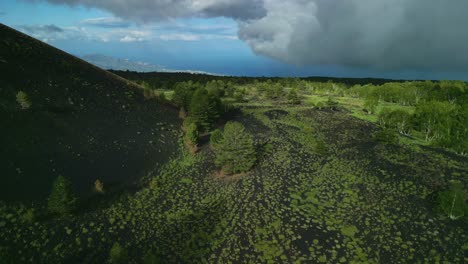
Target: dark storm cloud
{"type": "Point", "coordinates": [378, 34]}
{"type": "Point", "coordinates": [148, 10]}
{"type": "Point", "coordinates": [382, 34]}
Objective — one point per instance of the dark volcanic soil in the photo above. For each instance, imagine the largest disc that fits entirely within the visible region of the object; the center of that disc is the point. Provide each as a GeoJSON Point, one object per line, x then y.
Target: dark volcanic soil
{"type": "Point", "coordinates": [84, 123]}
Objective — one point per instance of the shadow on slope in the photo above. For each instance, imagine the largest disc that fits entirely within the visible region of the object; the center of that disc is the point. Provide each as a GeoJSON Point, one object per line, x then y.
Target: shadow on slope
{"type": "Point", "coordinates": [83, 122]}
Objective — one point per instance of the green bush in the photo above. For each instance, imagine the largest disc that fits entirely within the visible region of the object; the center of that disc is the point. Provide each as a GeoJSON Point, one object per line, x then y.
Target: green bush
{"type": "Point", "coordinates": [371, 103]}
{"type": "Point", "coordinates": [386, 136]}
{"type": "Point", "coordinates": [151, 258]}
{"type": "Point", "coordinates": [118, 254]}
{"type": "Point", "coordinates": [320, 105]}
{"type": "Point", "coordinates": [236, 152]}
{"type": "Point", "coordinates": [28, 216]}
{"type": "Point", "coordinates": [399, 120]}
{"type": "Point", "coordinates": [216, 138]}
{"type": "Point", "coordinates": [452, 201]}
{"type": "Point", "coordinates": [23, 100]}
{"type": "Point", "coordinates": [192, 134]}
{"type": "Point", "coordinates": [62, 199]}
{"type": "Point", "coordinates": [320, 147]}
{"type": "Point", "coordinates": [293, 98]}
{"type": "Point", "coordinates": [5, 256]}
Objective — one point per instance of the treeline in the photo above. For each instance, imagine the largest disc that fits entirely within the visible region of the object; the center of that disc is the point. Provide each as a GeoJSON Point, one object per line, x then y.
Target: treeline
{"type": "Point", "coordinates": [168, 80]}
{"type": "Point", "coordinates": [438, 109]}
{"type": "Point", "coordinates": [202, 107]}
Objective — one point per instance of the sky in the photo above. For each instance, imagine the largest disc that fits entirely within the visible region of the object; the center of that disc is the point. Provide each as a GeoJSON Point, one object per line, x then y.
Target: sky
{"type": "Point", "coordinates": [399, 39]}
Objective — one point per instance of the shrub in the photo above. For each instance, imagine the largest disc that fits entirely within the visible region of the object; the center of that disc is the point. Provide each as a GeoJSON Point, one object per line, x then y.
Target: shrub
{"type": "Point", "coordinates": [61, 200]}
{"type": "Point", "coordinates": [386, 136]}
{"type": "Point", "coordinates": [399, 119]}
{"type": "Point", "coordinates": [28, 216]}
{"type": "Point", "coordinates": [332, 104]}
{"type": "Point", "coordinates": [6, 257]}
{"type": "Point", "coordinates": [216, 138]}
{"type": "Point", "coordinates": [23, 100]}
{"type": "Point", "coordinates": [236, 152]}
{"type": "Point", "coordinates": [320, 147]}
{"type": "Point", "coordinates": [151, 258]}
{"type": "Point", "coordinates": [320, 105]}
{"type": "Point", "coordinates": [452, 201]}
{"type": "Point", "coordinates": [192, 134]}
{"type": "Point", "coordinates": [118, 254]}
{"type": "Point", "coordinates": [191, 138]}
{"type": "Point", "coordinates": [371, 103]}
{"type": "Point", "coordinates": [99, 186]}
{"type": "Point", "coordinates": [293, 97]}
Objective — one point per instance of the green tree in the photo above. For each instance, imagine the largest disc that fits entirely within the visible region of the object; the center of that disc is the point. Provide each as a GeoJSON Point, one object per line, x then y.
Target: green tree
{"type": "Point", "coordinates": [118, 254]}
{"type": "Point", "coordinates": [183, 93]}
{"type": "Point", "coordinates": [216, 138]}
{"type": "Point", "coordinates": [452, 201]}
{"type": "Point", "coordinates": [435, 119]}
{"type": "Point", "coordinates": [215, 107]}
{"type": "Point", "coordinates": [199, 109]}
{"type": "Point", "coordinates": [62, 199]}
{"type": "Point", "coordinates": [398, 119]}
{"type": "Point", "coordinates": [236, 152]}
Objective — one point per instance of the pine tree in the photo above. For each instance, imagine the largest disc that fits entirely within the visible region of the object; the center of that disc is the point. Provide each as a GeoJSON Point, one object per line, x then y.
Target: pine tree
{"type": "Point", "coordinates": [236, 152]}
{"type": "Point", "coordinates": [61, 200]}
{"type": "Point", "coordinates": [216, 138]}
{"type": "Point", "coordinates": [214, 108]}
{"type": "Point", "coordinates": [200, 109]}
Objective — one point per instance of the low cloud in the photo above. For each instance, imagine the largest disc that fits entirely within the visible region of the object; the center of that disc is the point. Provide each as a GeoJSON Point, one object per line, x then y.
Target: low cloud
{"type": "Point", "coordinates": [180, 37]}
{"type": "Point", "coordinates": [49, 33]}
{"type": "Point", "coordinates": [194, 37]}
{"type": "Point", "coordinates": [106, 22]}
{"type": "Point", "coordinates": [135, 36]}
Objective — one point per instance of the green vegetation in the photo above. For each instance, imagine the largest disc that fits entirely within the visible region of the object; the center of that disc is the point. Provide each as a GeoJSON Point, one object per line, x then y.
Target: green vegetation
{"type": "Point", "coordinates": [452, 201]}
{"type": "Point", "coordinates": [23, 100]}
{"type": "Point", "coordinates": [118, 254]}
{"type": "Point", "coordinates": [293, 97]}
{"type": "Point", "coordinates": [338, 178]}
{"type": "Point", "coordinates": [235, 152]}
{"type": "Point", "coordinates": [62, 200]}
{"type": "Point", "coordinates": [216, 138]}
{"type": "Point", "coordinates": [191, 137]}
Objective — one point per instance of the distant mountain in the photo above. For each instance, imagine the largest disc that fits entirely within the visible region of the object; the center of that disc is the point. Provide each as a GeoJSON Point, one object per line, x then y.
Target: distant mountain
{"type": "Point", "coordinates": [117, 64]}
{"type": "Point", "coordinates": [107, 62]}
